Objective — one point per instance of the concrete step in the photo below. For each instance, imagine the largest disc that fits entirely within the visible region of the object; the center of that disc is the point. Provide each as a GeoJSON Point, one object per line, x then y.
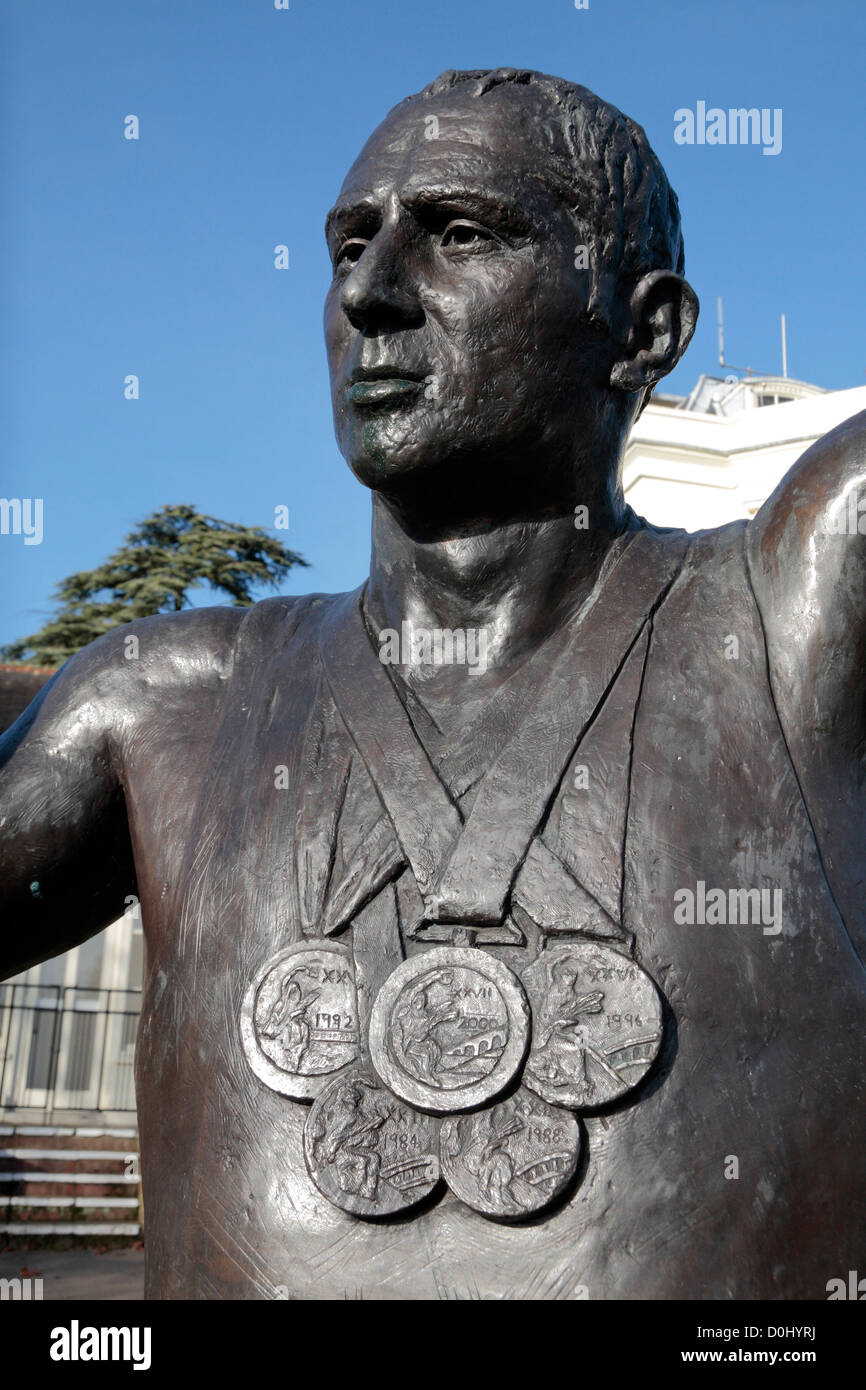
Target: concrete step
{"type": "Point", "coordinates": [83, 1217]}
{"type": "Point", "coordinates": [62, 1184]}
{"type": "Point", "coordinates": [80, 1214]}
{"type": "Point", "coordinates": [69, 1155]}
{"type": "Point", "coordinates": [29, 1176]}
{"type": "Point", "coordinates": [98, 1140]}
{"type": "Point", "coordinates": [71, 1160]}
{"type": "Point", "coordinates": [101, 1203]}
{"type": "Point", "coordinates": [69, 1228]}
{"type": "Point", "coordinates": [76, 1185]}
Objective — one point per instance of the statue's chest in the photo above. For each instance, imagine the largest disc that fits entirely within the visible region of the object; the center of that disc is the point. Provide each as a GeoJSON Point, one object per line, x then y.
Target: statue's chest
{"type": "Point", "coordinates": [330, 1024]}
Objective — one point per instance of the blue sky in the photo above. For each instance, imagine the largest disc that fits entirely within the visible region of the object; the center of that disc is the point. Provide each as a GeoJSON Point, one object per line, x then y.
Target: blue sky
{"type": "Point", "coordinates": [155, 256]}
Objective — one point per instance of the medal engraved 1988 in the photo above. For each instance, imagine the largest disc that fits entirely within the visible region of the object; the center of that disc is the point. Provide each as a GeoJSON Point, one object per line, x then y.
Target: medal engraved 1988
{"type": "Point", "coordinates": [299, 1022]}
{"type": "Point", "coordinates": [597, 1024]}
{"type": "Point", "coordinates": [449, 1029]}
{"type": "Point", "coordinates": [513, 1159]}
{"type": "Point", "coordinates": [367, 1152]}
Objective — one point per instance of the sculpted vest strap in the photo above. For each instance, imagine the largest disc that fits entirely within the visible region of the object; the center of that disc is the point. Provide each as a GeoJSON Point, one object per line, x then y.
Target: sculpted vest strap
{"type": "Point", "coordinates": [464, 872]}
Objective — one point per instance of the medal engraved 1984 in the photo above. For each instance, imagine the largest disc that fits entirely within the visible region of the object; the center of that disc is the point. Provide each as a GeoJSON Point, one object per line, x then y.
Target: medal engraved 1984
{"type": "Point", "coordinates": [366, 1151]}
{"type": "Point", "coordinates": [512, 1160]}
{"type": "Point", "coordinates": [299, 1022]}
{"type": "Point", "coordinates": [449, 1029]}
{"type": "Point", "coordinates": [597, 1024]}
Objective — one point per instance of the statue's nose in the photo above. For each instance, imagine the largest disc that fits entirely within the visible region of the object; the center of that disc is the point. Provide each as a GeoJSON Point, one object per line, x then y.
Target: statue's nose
{"type": "Point", "coordinates": [379, 293]}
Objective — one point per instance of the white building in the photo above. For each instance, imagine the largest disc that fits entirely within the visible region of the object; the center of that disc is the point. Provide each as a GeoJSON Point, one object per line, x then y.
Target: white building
{"type": "Point", "coordinates": [711, 457]}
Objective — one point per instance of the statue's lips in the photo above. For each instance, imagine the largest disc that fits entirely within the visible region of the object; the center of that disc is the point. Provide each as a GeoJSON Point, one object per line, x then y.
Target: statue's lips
{"type": "Point", "coordinates": [378, 387]}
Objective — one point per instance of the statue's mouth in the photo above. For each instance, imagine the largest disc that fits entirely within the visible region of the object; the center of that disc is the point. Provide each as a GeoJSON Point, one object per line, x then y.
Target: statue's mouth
{"type": "Point", "coordinates": [385, 385]}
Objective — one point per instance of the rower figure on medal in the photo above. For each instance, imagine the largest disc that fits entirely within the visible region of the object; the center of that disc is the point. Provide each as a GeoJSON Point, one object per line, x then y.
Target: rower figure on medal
{"type": "Point", "coordinates": [299, 1019]}
{"type": "Point", "coordinates": [366, 1151]}
{"type": "Point", "coordinates": [512, 1159]}
{"type": "Point", "coordinates": [597, 1024]}
{"type": "Point", "coordinates": [449, 1029]}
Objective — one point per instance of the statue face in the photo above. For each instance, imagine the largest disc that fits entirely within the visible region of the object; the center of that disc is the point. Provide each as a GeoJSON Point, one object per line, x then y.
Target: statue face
{"type": "Point", "coordinates": [454, 323]}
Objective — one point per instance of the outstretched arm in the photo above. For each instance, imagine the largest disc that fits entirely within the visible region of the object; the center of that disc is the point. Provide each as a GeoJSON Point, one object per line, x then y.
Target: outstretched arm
{"type": "Point", "coordinates": [108, 738]}
{"type": "Point", "coordinates": [65, 857]}
{"type": "Point", "coordinates": [807, 559]}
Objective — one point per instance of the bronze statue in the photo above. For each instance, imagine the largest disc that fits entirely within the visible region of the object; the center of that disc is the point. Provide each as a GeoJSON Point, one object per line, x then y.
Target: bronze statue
{"type": "Point", "coordinates": [462, 977]}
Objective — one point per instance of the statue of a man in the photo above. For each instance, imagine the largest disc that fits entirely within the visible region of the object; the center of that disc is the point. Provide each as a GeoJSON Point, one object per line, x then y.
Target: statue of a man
{"type": "Point", "coordinates": [493, 899]}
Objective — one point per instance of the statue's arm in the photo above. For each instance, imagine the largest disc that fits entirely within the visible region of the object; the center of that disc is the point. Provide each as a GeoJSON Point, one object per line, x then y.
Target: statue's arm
{"type": "Point", "coordinates": [65, 857]}
{"type": "Point", "coordinates": [103, 723]}
{"type": "Point", "coordinates": [807, 561]}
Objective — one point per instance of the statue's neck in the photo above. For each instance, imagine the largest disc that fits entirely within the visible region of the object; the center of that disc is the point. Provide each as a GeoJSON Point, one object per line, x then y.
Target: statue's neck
{"type": "Point", "coordinates": [517, 582]}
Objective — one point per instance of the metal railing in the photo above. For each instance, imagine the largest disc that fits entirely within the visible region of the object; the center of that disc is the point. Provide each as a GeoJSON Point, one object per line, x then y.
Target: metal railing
{"type": "Point", "coordinates": [63, 1047]}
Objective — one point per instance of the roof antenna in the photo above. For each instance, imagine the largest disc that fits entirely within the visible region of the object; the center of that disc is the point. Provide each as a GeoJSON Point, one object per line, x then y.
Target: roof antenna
{"type": "Point", "coordinates": [730, 366]}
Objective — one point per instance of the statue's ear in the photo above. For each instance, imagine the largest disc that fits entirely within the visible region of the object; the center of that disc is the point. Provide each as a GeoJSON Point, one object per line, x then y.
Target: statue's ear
{"type": "Point", "coordinates": [663, 311]}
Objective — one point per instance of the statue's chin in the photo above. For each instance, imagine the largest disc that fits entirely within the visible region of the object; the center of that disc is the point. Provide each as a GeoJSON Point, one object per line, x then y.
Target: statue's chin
{"type": "Point", "coordinates": [384, 465]}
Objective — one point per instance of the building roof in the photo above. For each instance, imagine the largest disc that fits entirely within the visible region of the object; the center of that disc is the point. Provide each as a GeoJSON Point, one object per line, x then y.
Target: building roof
{"type": "Point", "coordinates": [715, 455]}
{"type": "Point", "coordinates": [728, 395]}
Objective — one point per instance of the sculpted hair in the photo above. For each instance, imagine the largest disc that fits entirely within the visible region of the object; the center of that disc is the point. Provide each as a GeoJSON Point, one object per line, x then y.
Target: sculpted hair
{"type": "Point", "coordinates": [612, 182]}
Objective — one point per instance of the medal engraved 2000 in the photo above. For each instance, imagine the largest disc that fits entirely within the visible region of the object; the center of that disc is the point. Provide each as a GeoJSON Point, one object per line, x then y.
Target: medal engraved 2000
{"type": "Point", "coordinates": [449, 1029]}
{"type": "Point", "coordinates": [513, 1159]}
{"type": "Point", "coordinates": [299, 1023]}
{"type": "Point", "coordinates": [597, 1024]}
{"type": "Point", "coordinates": [366, 1151]}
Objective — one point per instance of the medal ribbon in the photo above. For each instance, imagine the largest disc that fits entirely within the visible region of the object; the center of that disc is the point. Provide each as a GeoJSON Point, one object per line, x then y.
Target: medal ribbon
{"type": "Point", "coordinates": [464, 871]}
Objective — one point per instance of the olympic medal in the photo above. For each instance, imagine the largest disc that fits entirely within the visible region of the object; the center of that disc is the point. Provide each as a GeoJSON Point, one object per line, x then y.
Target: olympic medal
{"type": "Point", "coordinates": [512, 1160]}
{"type": "Point", "coordinates": [366, 1151]}
{"type": "Point", "coordinates": [299, 1021]}
{"type": "Point", "coordinates": [597, 1024]}
{"type": "Point", "coordinates": [449, 1029]}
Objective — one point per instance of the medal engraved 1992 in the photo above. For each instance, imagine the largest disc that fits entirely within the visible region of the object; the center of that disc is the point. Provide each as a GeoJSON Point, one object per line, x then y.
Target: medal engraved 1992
{"type": "Point", "coordinates": [597, 1024]}
{"type": "Point", "coordinates": [449, 1029]}
{"type": "Point", "coordinates": [366, 1151]}
{"type": "Point", "coordinates": [299, 1022]}
{"type": "Point", "coordinates": [513, 1159]}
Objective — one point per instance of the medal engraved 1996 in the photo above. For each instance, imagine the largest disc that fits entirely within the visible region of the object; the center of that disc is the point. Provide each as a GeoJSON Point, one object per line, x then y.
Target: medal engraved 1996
{"type": "Point", "coordinates": [299, 1022]}
{"type": "Point", "coordinates": [449, 1029]}
{"type": "Point", "coordinates": [597, 1024]}
{"type": "Point", "coordinates": [512, 1160]}
{"type": "Point", "coordinates": [366, 1151]}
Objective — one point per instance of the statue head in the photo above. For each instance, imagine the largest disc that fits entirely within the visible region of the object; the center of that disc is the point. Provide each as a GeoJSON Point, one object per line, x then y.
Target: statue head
{"type": "Point", "coordinates": [507, 290]}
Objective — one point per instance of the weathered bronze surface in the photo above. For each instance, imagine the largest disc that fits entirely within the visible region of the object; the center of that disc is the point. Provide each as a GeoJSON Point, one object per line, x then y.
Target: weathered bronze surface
{"type": "Point", "coordinates": [563, 759]}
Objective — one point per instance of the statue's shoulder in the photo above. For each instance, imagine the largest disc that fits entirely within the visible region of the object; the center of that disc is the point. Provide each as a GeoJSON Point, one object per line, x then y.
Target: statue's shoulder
{"type": "Point", "coordinates": [140, 675]}
{"type": "Point", "coordinates": [133, 670]}
{"type": "Point", "coordinates": [153, 666]}
{"type": "Point", "coordinates": [840, 450]}
{"type": "Point", "coordinates": [693, 555]}
{"type": "Point", "coordinates": [805, 507]}
{"type": "Point", "coordinates": [820, 499]}
{"type": "Point", "coordinates": [277, 623]}
{"type": "Point", "coordinates": [199, 646]}
{"type": "Point", "coordinates": [805, 503]}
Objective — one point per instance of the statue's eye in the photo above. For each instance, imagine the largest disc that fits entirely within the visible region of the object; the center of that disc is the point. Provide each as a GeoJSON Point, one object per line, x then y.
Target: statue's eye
{"type": "Point", "coordinates": [460, 234]}
{"type": "Point", "coordinates": [350, 251]}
